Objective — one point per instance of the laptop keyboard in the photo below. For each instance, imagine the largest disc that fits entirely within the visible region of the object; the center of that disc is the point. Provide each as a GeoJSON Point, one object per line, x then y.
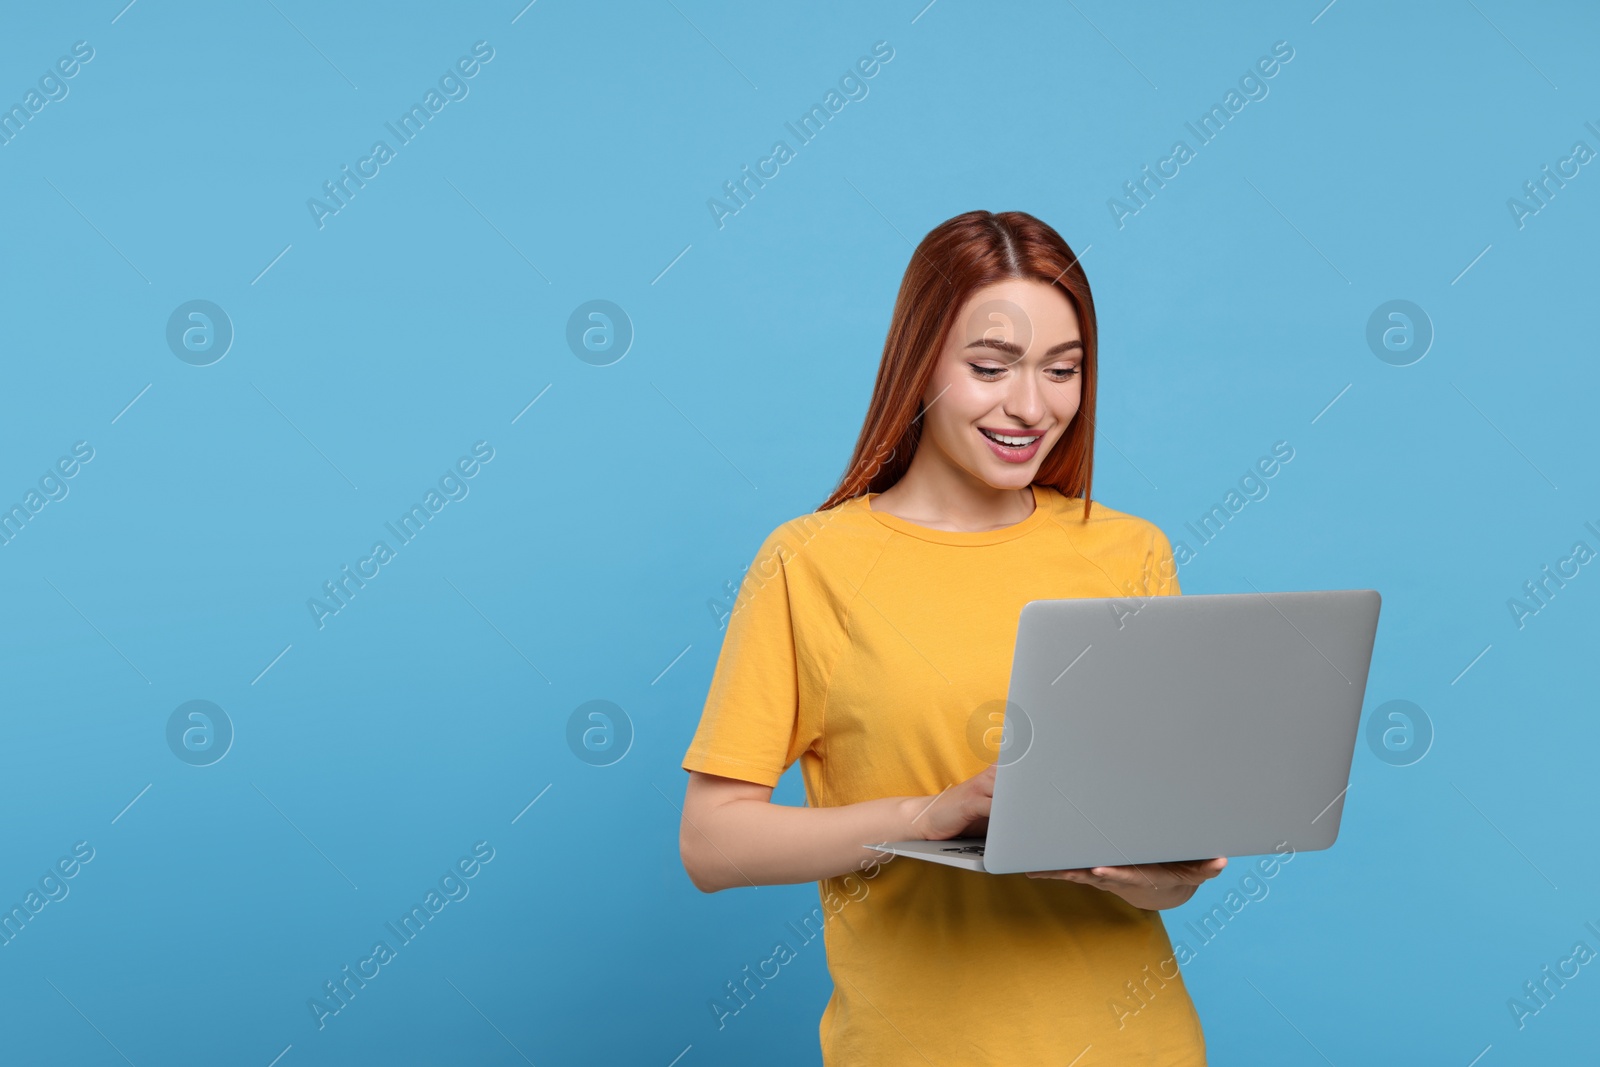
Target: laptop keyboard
{"type": "Point", "coordinates": [974, 849]}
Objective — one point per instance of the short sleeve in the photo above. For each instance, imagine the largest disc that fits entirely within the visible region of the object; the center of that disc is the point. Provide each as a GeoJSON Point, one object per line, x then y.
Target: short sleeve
{"type": "Point", "coordinates": [749, 726]}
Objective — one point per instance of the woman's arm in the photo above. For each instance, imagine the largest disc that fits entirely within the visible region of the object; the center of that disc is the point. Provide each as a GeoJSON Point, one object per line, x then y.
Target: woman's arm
{"type": "Point", "coordinates": [733, 835]}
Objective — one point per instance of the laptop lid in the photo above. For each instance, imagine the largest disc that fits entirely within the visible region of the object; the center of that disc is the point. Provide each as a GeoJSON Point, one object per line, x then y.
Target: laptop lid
{"type": "Point", "coordinates": [1156, 729]}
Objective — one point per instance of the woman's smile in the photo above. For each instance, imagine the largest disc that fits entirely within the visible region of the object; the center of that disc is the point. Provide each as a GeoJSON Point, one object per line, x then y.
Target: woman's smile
{"type": "Point", "coordinates": [1013, 446]}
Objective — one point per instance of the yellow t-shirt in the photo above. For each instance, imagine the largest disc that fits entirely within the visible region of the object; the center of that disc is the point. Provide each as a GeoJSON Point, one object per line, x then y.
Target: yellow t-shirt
{"type": "Point", "coordinates": [874, 650]}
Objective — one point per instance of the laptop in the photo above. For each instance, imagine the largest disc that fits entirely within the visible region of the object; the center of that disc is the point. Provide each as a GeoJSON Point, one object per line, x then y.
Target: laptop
{"type": "Point", "coordinates": [1172, 728]}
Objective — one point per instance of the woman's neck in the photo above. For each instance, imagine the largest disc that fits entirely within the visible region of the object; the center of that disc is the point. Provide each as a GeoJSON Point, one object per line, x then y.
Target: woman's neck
{"type": "Point", "coordinates": [945, 497]}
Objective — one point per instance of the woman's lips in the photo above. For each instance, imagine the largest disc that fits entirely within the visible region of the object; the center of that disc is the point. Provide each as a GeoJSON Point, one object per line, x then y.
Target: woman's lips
{"type": "Point", "coordinates": [1012, 454]}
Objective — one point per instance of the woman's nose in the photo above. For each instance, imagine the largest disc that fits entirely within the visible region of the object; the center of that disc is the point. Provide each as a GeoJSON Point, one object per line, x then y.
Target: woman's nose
{"type": "Point", "coordinates": [1024, 400]}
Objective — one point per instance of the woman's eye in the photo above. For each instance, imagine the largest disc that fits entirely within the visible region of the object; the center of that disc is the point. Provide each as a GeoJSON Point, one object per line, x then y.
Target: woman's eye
{"type": "Point", "coordinates": [1061, 374]}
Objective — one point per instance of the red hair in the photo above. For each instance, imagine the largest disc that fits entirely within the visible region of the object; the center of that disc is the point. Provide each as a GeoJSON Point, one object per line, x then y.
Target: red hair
{"type": "Point", "coordinates": [957, 258]}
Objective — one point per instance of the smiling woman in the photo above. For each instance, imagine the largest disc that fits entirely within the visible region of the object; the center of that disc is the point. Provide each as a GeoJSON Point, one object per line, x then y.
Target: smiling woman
{"type": "Point", "coordinates": [1005, 387]}
{"type": "Point", "coordinates": [867, 636]}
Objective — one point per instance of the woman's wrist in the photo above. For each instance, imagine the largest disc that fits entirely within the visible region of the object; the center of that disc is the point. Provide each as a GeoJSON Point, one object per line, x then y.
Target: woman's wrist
{"type": "Point", "coordinates": [1158, 899]}
{"type": "Point", "coordinates": [912, 825]}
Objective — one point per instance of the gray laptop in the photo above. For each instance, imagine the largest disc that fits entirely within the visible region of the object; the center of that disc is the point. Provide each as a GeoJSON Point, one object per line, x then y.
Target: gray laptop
{"type": "Point", "coordinates": [1173, 728]}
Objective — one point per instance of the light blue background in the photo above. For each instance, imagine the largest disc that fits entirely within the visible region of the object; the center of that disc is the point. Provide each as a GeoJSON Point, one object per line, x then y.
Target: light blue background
{"type": "Point", "coordinates": [426, 315]}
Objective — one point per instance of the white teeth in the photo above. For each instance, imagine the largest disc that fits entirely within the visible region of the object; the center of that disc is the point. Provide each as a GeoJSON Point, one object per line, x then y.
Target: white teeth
{"type": "Point", "coordinates": [1011, 442]}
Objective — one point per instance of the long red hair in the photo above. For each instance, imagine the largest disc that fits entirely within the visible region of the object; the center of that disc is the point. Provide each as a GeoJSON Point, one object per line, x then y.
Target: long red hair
{"type": "Point", "coordinates": [955, 259]}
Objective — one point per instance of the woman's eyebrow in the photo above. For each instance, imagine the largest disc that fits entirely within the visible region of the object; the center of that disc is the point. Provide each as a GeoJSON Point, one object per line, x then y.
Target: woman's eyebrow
{"type": "Point", "coordinates": [1013, 349]}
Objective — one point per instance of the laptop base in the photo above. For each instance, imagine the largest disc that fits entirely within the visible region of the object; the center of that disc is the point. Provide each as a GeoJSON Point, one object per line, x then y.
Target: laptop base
{"type": "Point", "coordinates": [964, 852]}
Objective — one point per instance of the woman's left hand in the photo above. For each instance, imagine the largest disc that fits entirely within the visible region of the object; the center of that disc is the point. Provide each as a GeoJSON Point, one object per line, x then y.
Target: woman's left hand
{"type": "Point", "coordinates": [1151, 886]}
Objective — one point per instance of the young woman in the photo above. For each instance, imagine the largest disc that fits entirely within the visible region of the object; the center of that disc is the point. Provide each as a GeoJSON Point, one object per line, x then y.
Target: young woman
{"type": "Point", "coordinates": [871, 640]}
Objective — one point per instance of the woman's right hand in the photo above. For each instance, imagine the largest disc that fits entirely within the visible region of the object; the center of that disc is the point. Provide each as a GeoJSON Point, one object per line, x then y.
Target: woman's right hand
{"type": "Point", "coordinates": [960, 811]}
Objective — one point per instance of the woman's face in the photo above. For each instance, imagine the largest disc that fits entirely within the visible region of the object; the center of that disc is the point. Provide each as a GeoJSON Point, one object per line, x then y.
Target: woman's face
{"type": "Point", "coordinates": [1010, 368]}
